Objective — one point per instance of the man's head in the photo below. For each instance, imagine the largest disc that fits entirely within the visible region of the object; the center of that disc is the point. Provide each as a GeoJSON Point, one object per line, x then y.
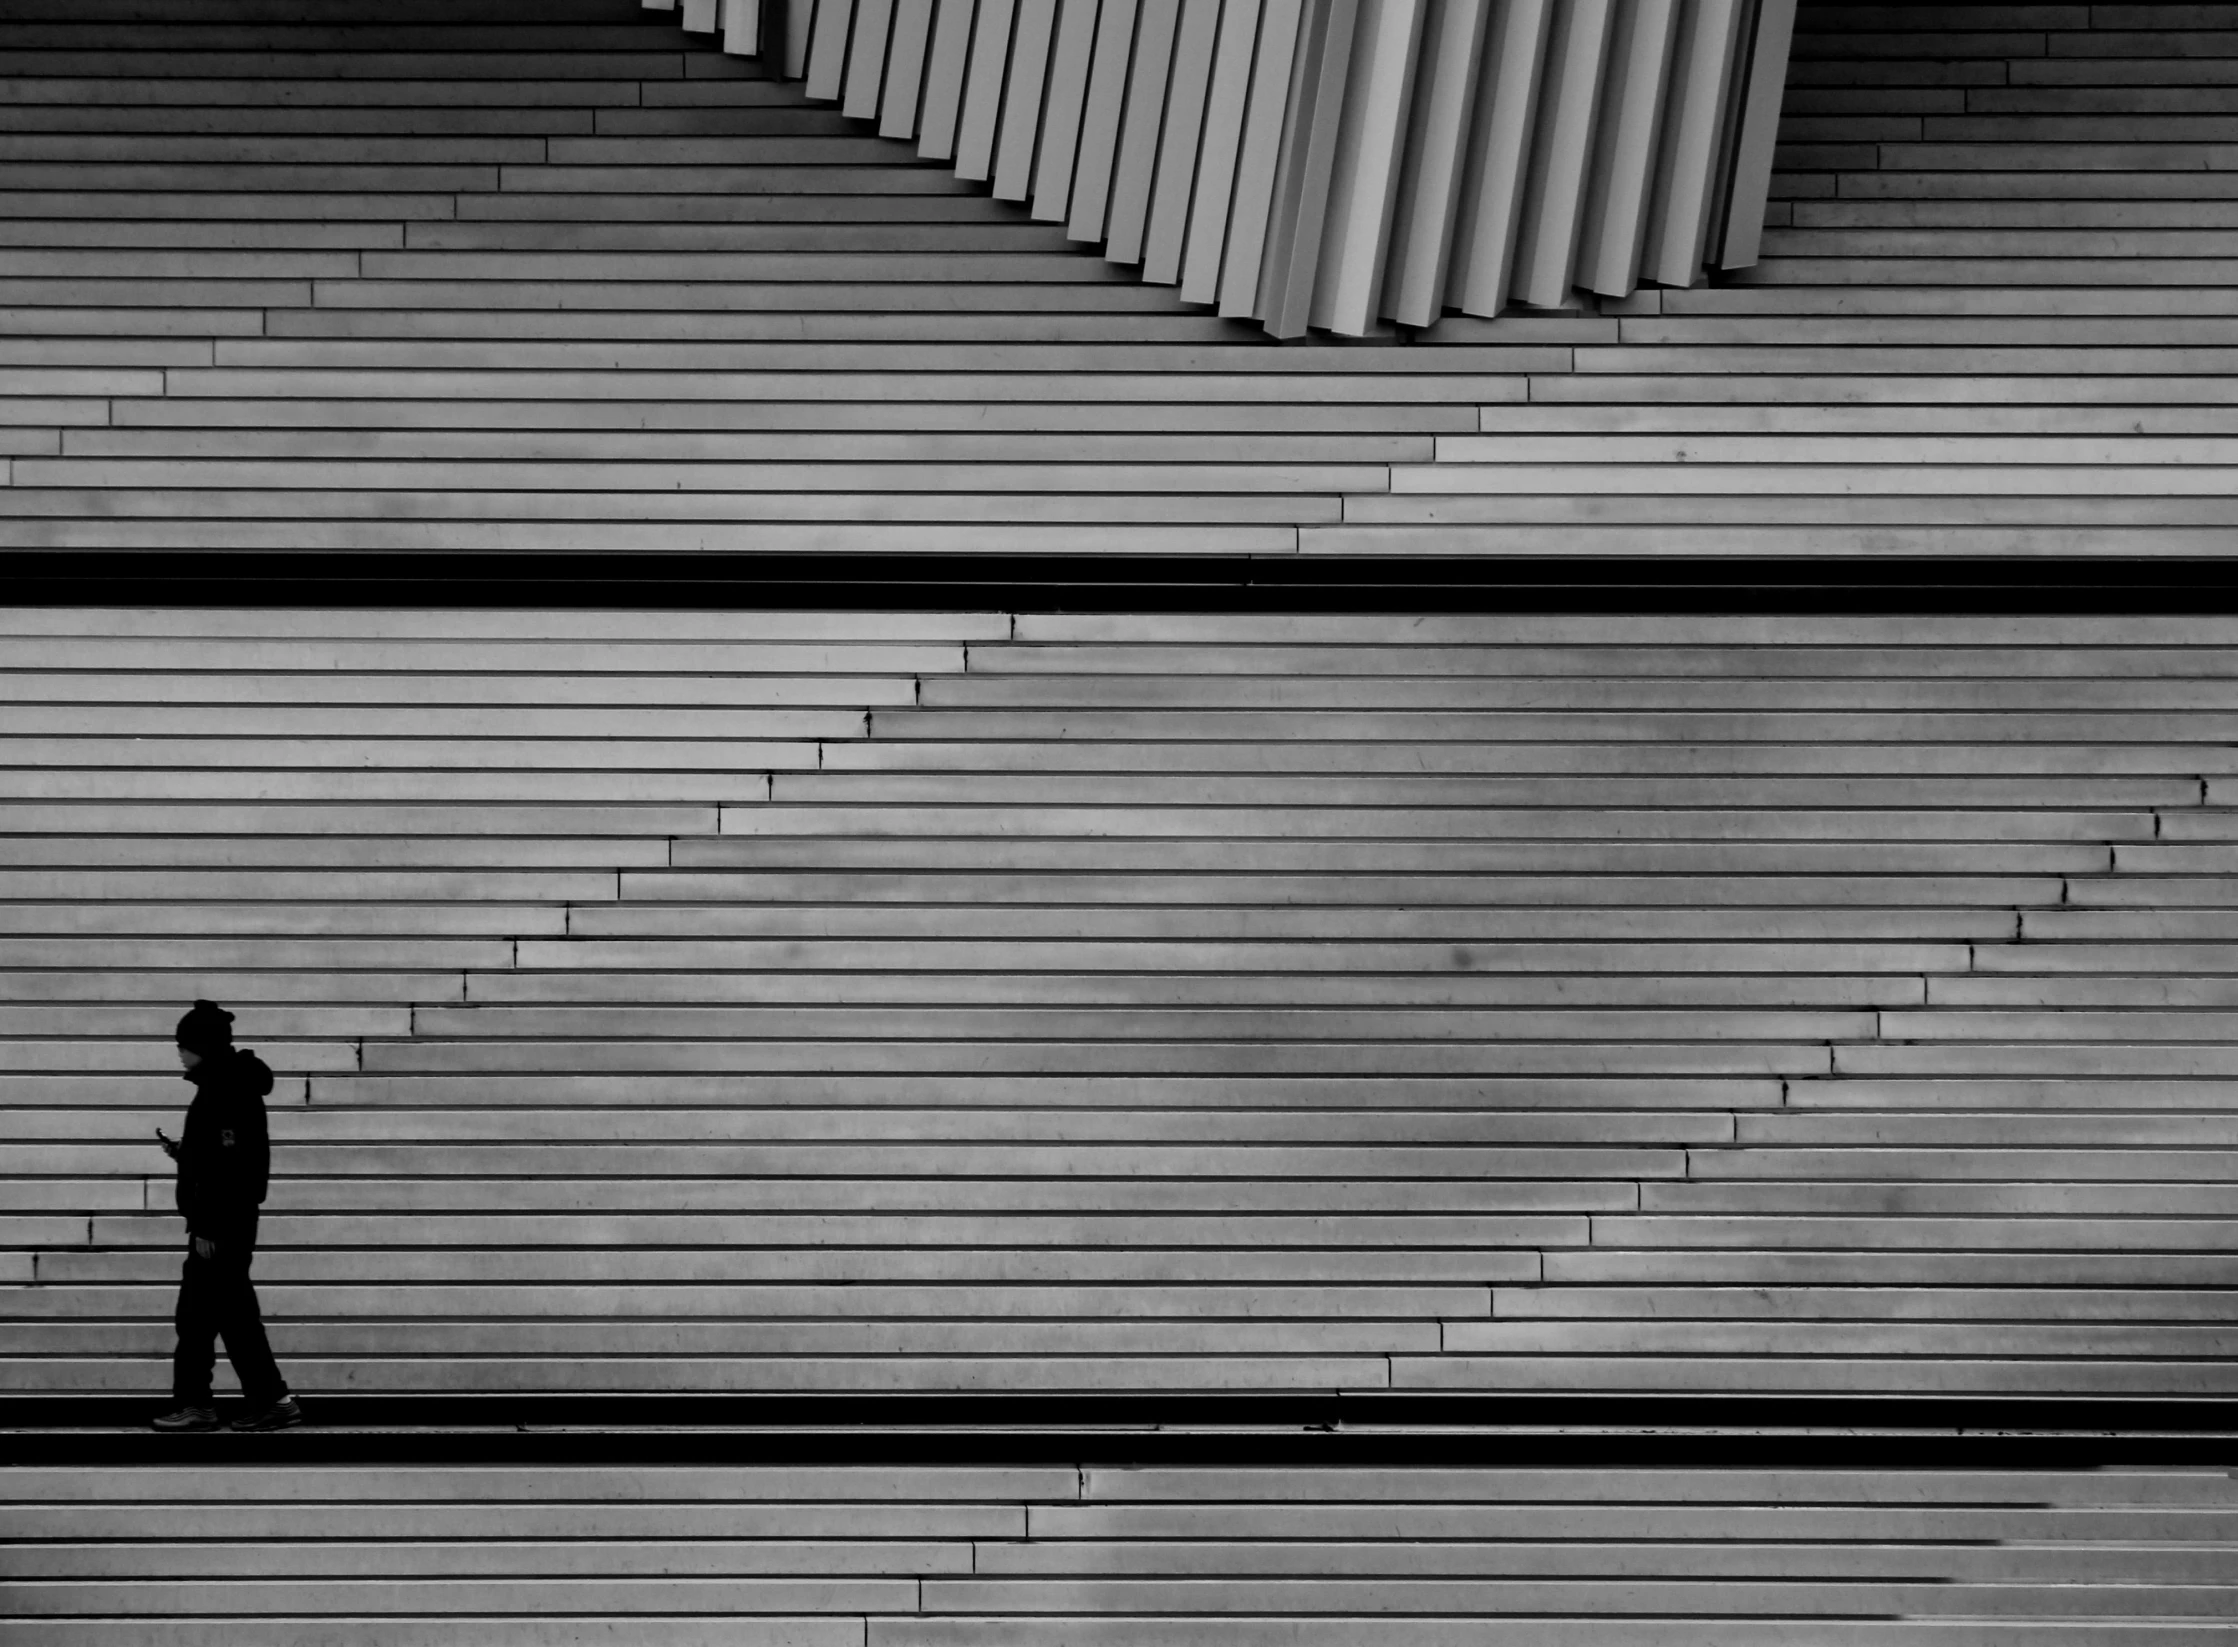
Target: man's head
{"type": "Point", "coordinates": [205, 1031]}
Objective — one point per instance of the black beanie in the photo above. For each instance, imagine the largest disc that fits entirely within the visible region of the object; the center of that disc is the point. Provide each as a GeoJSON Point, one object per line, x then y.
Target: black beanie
{"type": "Point", "coordinates": [207, 1027]}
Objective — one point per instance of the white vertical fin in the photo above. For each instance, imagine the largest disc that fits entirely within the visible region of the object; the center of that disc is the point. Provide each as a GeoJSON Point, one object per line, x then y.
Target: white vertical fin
{"type": "Point", "coordinates": [1493, 180]}
{"type": "Point", "coordinates": [1429, 188]}
{"type": "Point", "coordinates": [1364, 179]}
{"type": "Point", "coordinates": [1020, 131]}
{"type": "Point", "coordinates": [827, 48]}
{"type": "Point", "coordinates": [983, 84]}
{"type": "Point", "coordinates": [1702, 77]}
{"type": "Point", "coordinates": [1562, 151]}
{"type": "Point", "coordinates": [1099, 124]}
{"type": "Point", "coordinates": [1176, 178]}
{"type": "Point", "coordinates": [742, 27]}
{"type": "Point", "coordinates": [800, 18]}
{"type": "Point", "coordinates": [1063, 106]}
{"type": "Point", "coordinates": [1301, 192]}
{"type": "Point", "coordinates": [944, 80]}
{"type": "Point", "coordinates": [866, 58]}
{"type": "Point", "coordinates": [1625, 151]}
{"type": "Point", "coordinates": [905, 69]}
{"type": "Point", "coordinates": [1138, 137]}
{"type": "Point", "coordinates": [1751, 162]}
{"type": "Point", "coordinates": [1266, 117]}
{"type": "Point", "coordinates": [1225, 101]}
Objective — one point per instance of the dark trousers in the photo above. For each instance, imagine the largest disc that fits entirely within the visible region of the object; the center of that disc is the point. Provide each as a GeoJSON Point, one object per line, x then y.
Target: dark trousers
{"type": "Point", "coordinates": [216, 1301]}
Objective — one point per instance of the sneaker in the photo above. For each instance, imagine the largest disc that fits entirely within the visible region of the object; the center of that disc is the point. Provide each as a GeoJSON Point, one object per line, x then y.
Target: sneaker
{"type": "Point", "coordinates": [283, 1414]}
{"type": "Point", "coordinates": [188, 1417]}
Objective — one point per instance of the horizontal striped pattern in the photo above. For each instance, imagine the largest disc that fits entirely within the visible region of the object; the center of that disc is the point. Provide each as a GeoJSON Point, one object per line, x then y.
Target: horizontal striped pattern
{"type": "Point", "coordinates": [558, 278]}
{"type": "Point", "coordinates": [930, 1556]}
{"type": "Point", "coordinates": [829, 1002]}
{"type": "Point", "coordinates": [1992, 315]}
{"type": "Point", "coordinates": [552, 278]}
{"type": "Point", "coordinates": [1328, 162]}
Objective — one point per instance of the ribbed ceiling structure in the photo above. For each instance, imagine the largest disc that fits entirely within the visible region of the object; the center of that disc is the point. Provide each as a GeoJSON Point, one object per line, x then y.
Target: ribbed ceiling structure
{"type": "Point", "coordinates": [1328, 163]}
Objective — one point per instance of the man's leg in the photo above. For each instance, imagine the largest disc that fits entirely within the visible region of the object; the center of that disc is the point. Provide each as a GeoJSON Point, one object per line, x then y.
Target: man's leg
{"type": "Point", "coordinates": [197, 1323]}
{"type": "Point", "coordinates": [242, 1323]}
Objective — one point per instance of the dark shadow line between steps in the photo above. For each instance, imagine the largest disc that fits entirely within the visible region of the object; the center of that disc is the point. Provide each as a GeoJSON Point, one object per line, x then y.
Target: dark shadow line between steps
{"type": "Point", "coordinates": [1366, 1430]}
{"type": "Point", "coordinates": [2097, 585]}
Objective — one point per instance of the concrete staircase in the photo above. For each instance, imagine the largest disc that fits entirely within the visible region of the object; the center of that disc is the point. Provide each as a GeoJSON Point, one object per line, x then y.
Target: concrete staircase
{"type": "Point", "coordinates": [550, 278]}
{"type": "Point", "coordinates": [837, 1555]}
{"type": "Point", "coordinates": [1994, 314]}
{"type": "Point", "coordinates": [822, 1003]}
{"type": "Point", "coordinates": [1006, 1004]}
{"type": "Point", "coordinates": [555, 278]}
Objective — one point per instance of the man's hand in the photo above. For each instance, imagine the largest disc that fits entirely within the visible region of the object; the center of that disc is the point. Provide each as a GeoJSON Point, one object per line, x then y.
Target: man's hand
{"type": "Point", "coordinates": [205, 1248]}
{"type": "Point", "coordinates": [169, 1148]}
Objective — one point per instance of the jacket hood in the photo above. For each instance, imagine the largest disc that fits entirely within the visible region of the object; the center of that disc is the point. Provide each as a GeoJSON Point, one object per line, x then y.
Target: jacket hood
{"type": "Point", "coordinates": [237, 1067]}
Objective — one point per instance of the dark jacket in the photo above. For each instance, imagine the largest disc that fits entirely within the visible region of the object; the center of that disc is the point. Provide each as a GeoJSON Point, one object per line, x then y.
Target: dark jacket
{"type": "Point", "coordinates": [225, 1153]}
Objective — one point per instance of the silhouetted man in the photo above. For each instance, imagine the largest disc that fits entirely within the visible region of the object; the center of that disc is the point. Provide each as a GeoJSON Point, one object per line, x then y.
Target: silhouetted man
{"type": "Point", "coordinates": [225, 1157]}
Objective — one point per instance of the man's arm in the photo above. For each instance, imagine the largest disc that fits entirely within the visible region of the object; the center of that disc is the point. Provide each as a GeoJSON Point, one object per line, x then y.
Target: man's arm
{"type": "Point", "coordinates": [204, 1248]}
